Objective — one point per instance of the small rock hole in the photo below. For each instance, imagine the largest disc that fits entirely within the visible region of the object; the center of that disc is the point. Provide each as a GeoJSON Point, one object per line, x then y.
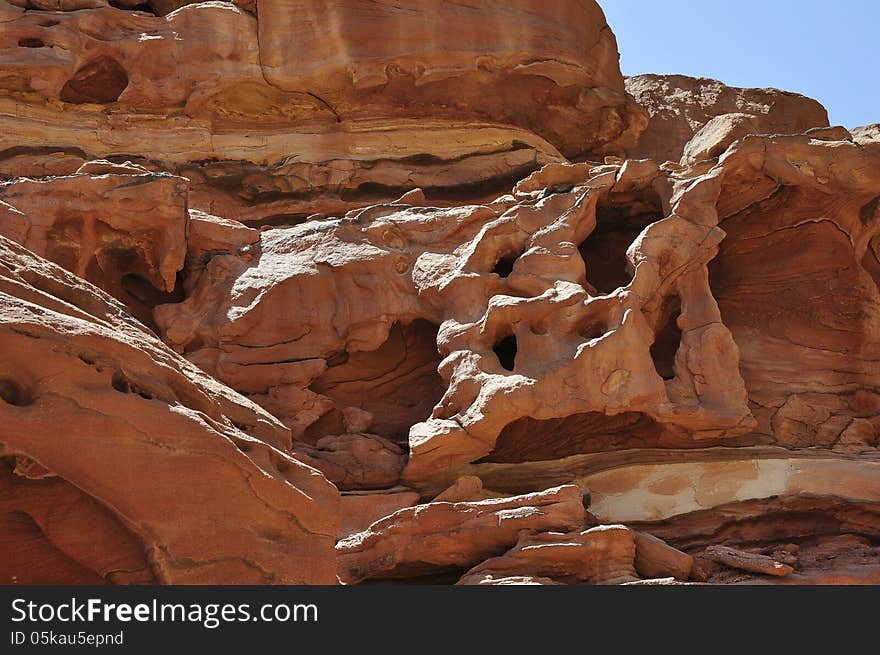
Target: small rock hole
{"type": "Point", "coordinates": [120, 383]}
{"type": "Point", "coordinates": [505, 350]}
{"type": "Point", "coordinates": [504, 266]}
{"type": "Point", "coordinates": [14, 394]}
{"type": "Point", "coordinates": [667, 339]}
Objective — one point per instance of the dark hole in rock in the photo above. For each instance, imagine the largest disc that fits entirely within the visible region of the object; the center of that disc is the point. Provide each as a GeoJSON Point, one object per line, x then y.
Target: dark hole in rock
{"type": "Point", "coordinates": [49, 22]}
{"type": "Point", "coordinates": [667, 338]}
{"type": "Point", "coordinates": [397, 383]}
{"type": "Point", "coordinates": [139, 294]}
{"type": "Point", "coordinates": [119, 382]}
{"type": "Point", "coordinates": [12, 393]}
{"type": "Point", "coordinates": [504, 265]}
{"type": "Point", "coordinates": [101, 81]}
{"type": "Point", "coordinates": [531, 440]}
{"type": "Point", "coordinates": [505, 350]}
{"type": "Point", "coordinates": [32, 42]}
{"type": "Point", "coordinates": [144, 7]}
{"type": "Point", "coordinates": [143, 290]}
{"type": "Point", "coordinates": [593, 329]}
{"type": "Point", "coordinates": [604, 250]}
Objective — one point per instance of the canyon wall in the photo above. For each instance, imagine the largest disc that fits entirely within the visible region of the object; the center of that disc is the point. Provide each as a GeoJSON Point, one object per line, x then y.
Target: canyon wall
{"type": "Point", "coordinates": [308, 293]}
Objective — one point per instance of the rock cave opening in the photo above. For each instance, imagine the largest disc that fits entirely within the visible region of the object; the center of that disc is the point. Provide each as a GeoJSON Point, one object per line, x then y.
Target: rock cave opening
{"type": "Point", "coordinates": [618, 224]}
{"type": "Point", "coordinates": [505, 351]}
{"type": "Point", "coordinates": [504, 266]}
{"type": "Point", "coordinates": [667, 338]}
{"type": "Point", "coordinates": [100, 82]}
{"type": "Point", "coordinates": [144, 7]}
{"type": "Point", "coordinates": [142, 297]}
{"type": "Point", "coordinates": [31, 42]}
{"type": "Point", "coordinates": [397, 383]}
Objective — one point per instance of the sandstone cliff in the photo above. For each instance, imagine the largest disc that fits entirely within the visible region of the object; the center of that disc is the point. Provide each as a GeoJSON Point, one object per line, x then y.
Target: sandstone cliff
{"type": "Point", "coordinates": [427, 292]}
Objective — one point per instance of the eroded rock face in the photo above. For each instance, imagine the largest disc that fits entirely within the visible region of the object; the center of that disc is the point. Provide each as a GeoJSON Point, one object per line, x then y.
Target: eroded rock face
{"type": "Point", "coordinates": [679, 106]}
{"type": "Point", "coordinates": [441, 537]}
{"type": "Point", "coordinates": [123, 233]}
{"type": "Point", "coordinates": [522, 312]}
{"type": "Point", "coordinates": [486, 333]}
{"type": "Point", "coordinates": [365, 104]}
{"type": "Point", "coordinates": [198, 475]}
{"type": "Point", "coordinates": [602, 555]}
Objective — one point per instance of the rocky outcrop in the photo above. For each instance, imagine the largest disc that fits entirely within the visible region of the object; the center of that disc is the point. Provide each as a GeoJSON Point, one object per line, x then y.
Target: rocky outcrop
{"type": "Point", "coordinates": [157, 452]}
{"type": "Point", "coordinates": [519, 302]}
{"type": "Point", "coordinates": [602, 555]}
{"type": "Point", "coordinates": [680, 106]}
{"type": "Point", "coordinates": [125, 233]}
{"type": "Point", "coordinates": [753, 562]}
{"type": "Point", "coordinates": [867, 133]}
{"type": "Point", "coordinates": [442, 537]}
{"type": "Point", "coordinates": [385, 303]}
{"type": "Point", "coordinates": [272, 130]}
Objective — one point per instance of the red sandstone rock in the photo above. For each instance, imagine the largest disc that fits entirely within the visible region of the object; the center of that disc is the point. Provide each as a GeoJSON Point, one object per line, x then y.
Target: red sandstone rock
{"type": "Point", "coordinates": [199, 474]}
{"type": "Point", "coordinates": [436, 295]}
{"type": "Point", "coordinates": [124, 233]}
{"type": "Point", "coordinates": [440, 537]}
{"type": "Point", "coordinates": [656, 559]}
{"type": "Point", "coordinates": [356, 461]}
{"type": "Point", "coordinates": [746, 561]}
{"type": "Point", "coordinates": [360, 509]}
{"type": "Point", "coordinates": [601, 555]}
{"type": "Point", "coordinates": [270, 129]}
{"type": "Point", "coordinates": [679, 106]}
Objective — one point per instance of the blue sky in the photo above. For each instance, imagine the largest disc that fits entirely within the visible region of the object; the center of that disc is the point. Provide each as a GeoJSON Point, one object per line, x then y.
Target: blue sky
{"type": "Point", "coordinates": [829, 51]}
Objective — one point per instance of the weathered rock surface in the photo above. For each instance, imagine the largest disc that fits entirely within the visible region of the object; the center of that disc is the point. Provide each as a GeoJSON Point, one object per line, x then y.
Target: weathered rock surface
{"type": "Point", "coordinates": [522, 313]}
{"type": "Point", "coordinates": [753, 562]}
{"type": "Point", "coordinates": [602, 555]}
{"type": "Point", "coordinates": [655, 559]}
{"type": "Point", "coordinates": [367, 101]}
{"type": "Point", "coordinates": [53, 533]}
{"type": "Point", "coordinates": [867, 133]}
{"type": "Point", "coordinates": [679, 106]}
{"type": "Point", "coordinates": [360, 509]}
{"type": "Point", "coordinates": [434, 256]}
{"type": "Point", "coordinates": [442, 537]}
{"type": "Point", "coordinates": [123, 233]}
{"type": "Point", "coordinates": [197, 475]}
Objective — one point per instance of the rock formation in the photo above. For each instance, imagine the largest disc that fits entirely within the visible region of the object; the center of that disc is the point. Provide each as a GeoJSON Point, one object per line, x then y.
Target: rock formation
{"type": "Point", "coordinates": [679, 106]}
{"type": "Point", "coordinates": [386, 303]}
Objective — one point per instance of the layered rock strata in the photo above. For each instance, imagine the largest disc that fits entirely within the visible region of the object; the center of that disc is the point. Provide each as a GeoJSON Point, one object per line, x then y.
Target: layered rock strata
{"type": "Point", "coordinates": [384, 303]}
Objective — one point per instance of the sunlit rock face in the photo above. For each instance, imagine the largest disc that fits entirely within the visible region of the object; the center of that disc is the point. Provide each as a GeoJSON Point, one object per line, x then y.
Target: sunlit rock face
{"type": "Point", "coordinates": [425, 292]}
{"type": "Point", "coordinates": [680, 106]}
{"type": "Point", "coordinates": [367, 101]}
